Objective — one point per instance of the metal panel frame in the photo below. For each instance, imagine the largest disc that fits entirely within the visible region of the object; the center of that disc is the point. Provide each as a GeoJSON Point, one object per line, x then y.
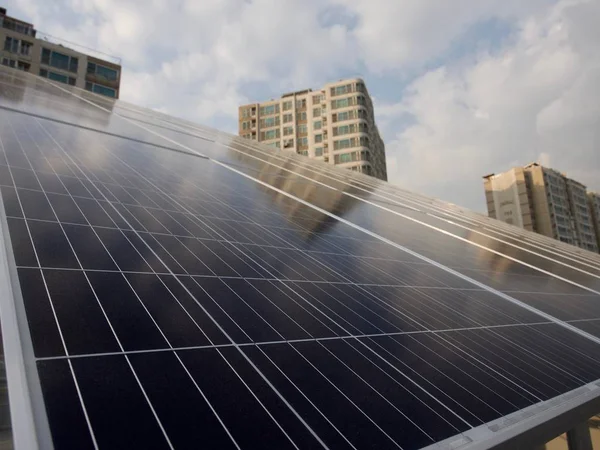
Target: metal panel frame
{"type": "Point", "coordinates": [531, 426]}
{"type": "Point", "coordinates": [30, 428]}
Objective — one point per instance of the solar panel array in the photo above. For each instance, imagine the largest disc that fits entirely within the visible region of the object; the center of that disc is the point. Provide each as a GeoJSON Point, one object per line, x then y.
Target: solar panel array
{"type": "Point", "coordinates": [184, 288]}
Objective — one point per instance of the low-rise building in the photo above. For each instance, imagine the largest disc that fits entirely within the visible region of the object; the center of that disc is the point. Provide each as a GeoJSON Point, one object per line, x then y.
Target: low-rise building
{"type": "Point", "coordinates": [25, 48]}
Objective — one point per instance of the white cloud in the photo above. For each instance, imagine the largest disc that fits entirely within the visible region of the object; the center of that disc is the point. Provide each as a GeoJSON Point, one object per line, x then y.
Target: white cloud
{"type": "Point", "coordinates": [392, 34]}
{"type": "Point", "coordinates": [191, 58]}
{"type": "Point", "coordinates": [534, 100]}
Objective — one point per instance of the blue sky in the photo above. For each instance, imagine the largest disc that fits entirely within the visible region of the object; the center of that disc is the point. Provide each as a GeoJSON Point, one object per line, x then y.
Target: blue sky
{"type": "Point", "coordinates": [462, 88]}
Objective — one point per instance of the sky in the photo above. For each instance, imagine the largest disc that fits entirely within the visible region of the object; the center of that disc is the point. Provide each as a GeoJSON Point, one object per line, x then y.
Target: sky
{"type": "Point", "coordinates": [461, 88]}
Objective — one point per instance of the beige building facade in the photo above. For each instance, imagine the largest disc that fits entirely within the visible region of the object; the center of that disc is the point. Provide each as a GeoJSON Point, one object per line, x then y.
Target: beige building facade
{"type": "Point", "coordinates": [594, 204]}
{"type": "Point", "coordinates": [335, 124]}
{"type": "Point", "coordinates": [508, 199]}
{"type": "Point", "coordinates": [24, 48]}
{"type": "Point", "coordinates": [543, 200]}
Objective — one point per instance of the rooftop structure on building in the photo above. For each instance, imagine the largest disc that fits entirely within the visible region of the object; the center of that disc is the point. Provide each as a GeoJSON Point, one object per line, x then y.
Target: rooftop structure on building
{"type": "Point", "coordinates": [25, 48]}
{"type": "Point", "coordinates": [334, 124]}
{"type": "Point", "coordinates": [543, 200]}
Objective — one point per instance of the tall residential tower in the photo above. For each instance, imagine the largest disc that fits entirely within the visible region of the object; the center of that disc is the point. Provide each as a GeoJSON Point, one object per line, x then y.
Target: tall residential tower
{"type": "Point", "coordinates": [335, 124]}
{"type": "Point", "coordinates": [543, 200]}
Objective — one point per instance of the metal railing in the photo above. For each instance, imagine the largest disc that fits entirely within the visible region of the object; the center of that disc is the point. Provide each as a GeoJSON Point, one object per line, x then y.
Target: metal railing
{"type": "Point", "coordinates": [78, 48]}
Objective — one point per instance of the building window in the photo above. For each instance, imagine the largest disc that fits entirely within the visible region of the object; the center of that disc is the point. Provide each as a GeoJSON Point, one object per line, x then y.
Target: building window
{"type": "Point", "coordinates": [316, 112]}
{"type": "Point", "coordinates": [23, 66]}
{"type": "Point", "coordinates": [57, 77]}
{"type": "Point", "coordinates": [17, 46]}
{"type": "Point", "coordinates": [269, 134]}
{"type": "Point", "coordinates": [301, 103]}
{"type": "Point", "coordinates": [349, 115]}
{"type": "Point", "coordinates": [270, 109]}
{"type": "Point", "coordinates": [59, 60]}
{"type": "Point", "coordinates": [318, 138]}
{"type": "Point", "coordinates": [317, 125]}
{"type": "Point", "coordinates": [287, 118]}
{"type": "Point", "coordinates": [302, 142]}
{"type": "Point", "coordinates": [302, 115]}
{"type": "Point", "coordinates": [11, 24]}
{"type": "Point", "coordinates": [245, 125]}
{"type": "Point", "coordinates": [288, 143]}
{"type": "Point", "coordinates": [316, 99]}
{"type": "Point", "coordinates": [269, 122]}
{"type": "Point", "coordinates": [344, 129]}
{"type": "Point", "coordinates": [318, 151]}
{"type": "Point", "coordinates": [25, 49]}
{"type": "Point", "coordinates": [274, 144]}
{"type": "Point", "coordinates": [8, 62]}
{"type": "Point", "coordinates": [11, 45]}
{"type": "Point", "coordinates": [349, 143]}
{"type": "Point", "coordinates": [288, 131]}
{"type": "Point", "coordinates": [302, 129]}
{"type": "Point", "coordinates": [341, 90]}
{"type": "Point", "coordinates": [103, 72]}
{"type": "Point", "coordinates": [340, 103]}
{"type": "Point", "coordinates": [348, 129]}
{"type": "Point", "coordinates": [344, 158]}
{"type": "Point", "coordinates": [287, 105]}
{"type": "Point", "coordinates": [99, 89]}
{"type": "Point", "coordinates": [340, 117]}
{"type": "Point", "coordinates": [341, 144]}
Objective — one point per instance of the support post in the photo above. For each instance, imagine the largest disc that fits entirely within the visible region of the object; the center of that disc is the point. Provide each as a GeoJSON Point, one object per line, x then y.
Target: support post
{"type": "Point", "coordinates": [579, 437]}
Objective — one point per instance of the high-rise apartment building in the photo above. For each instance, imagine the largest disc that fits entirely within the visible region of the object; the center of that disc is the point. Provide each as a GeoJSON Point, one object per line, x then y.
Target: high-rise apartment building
{"type": "Point", "coordinates": [594, 204]}
{"type": "Point", "coordinates": [543, 200]}
{"type": "Point", "coordinates": [335, 124]}
{"type": "Point", "coordinates": [24, 48]}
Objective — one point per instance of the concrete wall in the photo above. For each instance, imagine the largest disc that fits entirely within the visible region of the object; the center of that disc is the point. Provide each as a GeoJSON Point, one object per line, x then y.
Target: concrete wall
{"type": "Point", "coordinates": [594, 204]}
{"type": "Point", "coordinates": [539, 200]}
{"type": "Point", "coordinates": [507, 198]}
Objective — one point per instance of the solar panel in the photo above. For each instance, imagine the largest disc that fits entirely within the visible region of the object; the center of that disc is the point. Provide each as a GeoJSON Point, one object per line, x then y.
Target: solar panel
{"type": "Point", "coordinates": [171, 286]}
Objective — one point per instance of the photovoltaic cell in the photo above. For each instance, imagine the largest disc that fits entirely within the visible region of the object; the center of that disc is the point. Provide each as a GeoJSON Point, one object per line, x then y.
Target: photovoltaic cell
{"type": "Point", "coordinates": [183, 288]}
